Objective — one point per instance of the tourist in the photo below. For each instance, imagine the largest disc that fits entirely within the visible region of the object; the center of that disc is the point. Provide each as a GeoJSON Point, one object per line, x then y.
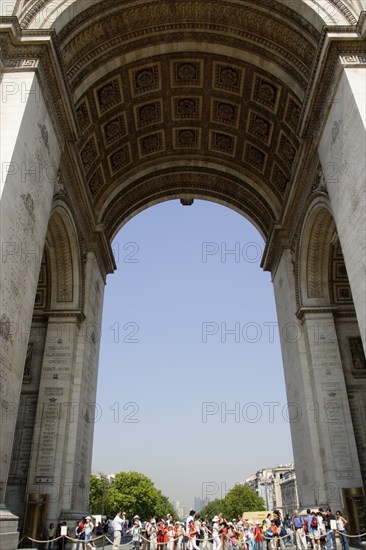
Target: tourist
{"type": "Point", "coordinates": [205, 536]}
{"type": "Point", "coordinates": [171, 535]}
{"type": "Point", "coordinates": [275, 533]}
{"type": "Point", "coordinates": [341, 523]}
{"type": "Point", "coordinates": [281, 531]}
{"type": "Point", "coordinates": [267, 534]}
{"type": "Point", "coordinates": [223, 531]}
{"type": "Point", "coordinates": [216, 533]}
{"type": "Point", "coordinates": [188, 520]}
{"type": "Point", "coordinates": [80, 533]}
{"type": "Point", "coordinates": [287, 526]}
{"type": "Point", "coordinates": [258, 536]}
{"type": "Point", "coordinates": [250, 535]}
{"type": "Point", "coordinates": [118, 525]}
{"type": "Point", "coordinates": [152, 530]}
{"type": "Point", "coordinates": [136, 519]}
{"type": "Point", "coordinates": [161, 534]}
{"type": "Point", "coordinates": [298, 529]}
{"type": "Point", "coordinates": [232, 537]}
{"type": "Point", "coordinates": [61, 538]}
{"type": "Point", "coordinates": [321, 528]}
{"type": "Point", "coordinates": [145, 536]}
{"type": "Point", "coordinates": [330, 534]}
{"type": "Point", "coordinates": [136, 533]}
{"type": "Point", "coordinates": [197, 524]}
{"type": "Point", "coordinates": [89, 527]}
{"type": "Point", "coordinates": [51, 532]}
{"type": "Point", "coordinates": [192, 545]}
{"type": "Point", "coordinates": [313, 531]}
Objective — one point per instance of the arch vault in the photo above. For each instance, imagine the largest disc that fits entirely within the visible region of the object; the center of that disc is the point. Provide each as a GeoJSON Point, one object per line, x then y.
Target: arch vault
{"type": "Point", "coordinates": [111, 106]}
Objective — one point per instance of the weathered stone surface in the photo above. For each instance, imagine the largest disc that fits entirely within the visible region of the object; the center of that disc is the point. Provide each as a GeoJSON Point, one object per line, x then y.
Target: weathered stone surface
{"type": "Point", "coordinates": [261, 109]}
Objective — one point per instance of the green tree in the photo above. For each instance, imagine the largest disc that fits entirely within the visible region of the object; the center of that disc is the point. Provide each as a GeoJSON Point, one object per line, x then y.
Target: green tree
{"type": "Point", "coordinates": [212, 509]}
{"type": "Point", "coordinates": [240, 499]}
{"type": "Point", "coordinates": [97, 495]}
{"type": "Point", "coordinates": [135, 493]}
{"type": "Point", "coordinates": [164, 507]}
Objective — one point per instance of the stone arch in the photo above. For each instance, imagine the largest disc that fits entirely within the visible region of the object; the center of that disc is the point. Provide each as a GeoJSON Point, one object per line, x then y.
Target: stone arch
{"type": "Point", "coordinates": [314, 262]}
{"type": "Point", "coordinates": [218, 187]}
{"type": "Point", "coordinates": [332, 337]}
{"type": "Point", "coordinates": [65, 267]}
{"type": "Point", "coordinates": [160, 99]}
{"type": "Point", "coordinates": [47, 13]}
{"type": "Point", "coordinates": [58, 295]}
{"type": "Point", "coordinates": [229, 106]}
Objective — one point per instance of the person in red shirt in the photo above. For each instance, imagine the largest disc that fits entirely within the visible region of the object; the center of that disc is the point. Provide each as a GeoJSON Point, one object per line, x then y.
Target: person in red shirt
{"type": "Point", "coordinates": [258, 536]}
{"type": "Point", "coordinates": [192, 545]}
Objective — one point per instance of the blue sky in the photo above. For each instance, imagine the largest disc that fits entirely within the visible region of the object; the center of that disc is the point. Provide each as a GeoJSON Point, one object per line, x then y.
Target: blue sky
{"type": "Point", "coordinates": [189, 334]}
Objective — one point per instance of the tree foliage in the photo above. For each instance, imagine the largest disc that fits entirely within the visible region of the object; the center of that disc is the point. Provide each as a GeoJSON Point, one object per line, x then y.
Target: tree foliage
{"type": "Point", "coordinates": [131, 492]}
{"type": "Point", "coordinates": [240, 499]}
{"type": "Point", "coordinates": [164, 507]}
{"type": "Point", "coordinates": [212, 509]}
{"type": "Point", "coordinates": [97, 494]}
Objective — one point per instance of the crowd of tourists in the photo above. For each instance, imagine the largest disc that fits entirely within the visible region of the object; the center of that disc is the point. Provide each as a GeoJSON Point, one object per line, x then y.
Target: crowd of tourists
{"type": "Point", "coordinates": [316, 529]}
{"type": "Point", "coordinates": [85, 531]}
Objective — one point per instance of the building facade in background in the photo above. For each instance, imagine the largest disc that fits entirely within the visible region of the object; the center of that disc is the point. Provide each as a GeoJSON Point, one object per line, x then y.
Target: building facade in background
{"type": "Point", "coordinates": [289, 492]}
{"type": "Point", "coordinates": [267, 483]}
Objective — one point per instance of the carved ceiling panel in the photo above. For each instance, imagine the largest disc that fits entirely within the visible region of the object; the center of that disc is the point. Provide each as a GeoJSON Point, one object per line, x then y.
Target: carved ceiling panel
{"type": "Point", "coordinates": [194, 107]}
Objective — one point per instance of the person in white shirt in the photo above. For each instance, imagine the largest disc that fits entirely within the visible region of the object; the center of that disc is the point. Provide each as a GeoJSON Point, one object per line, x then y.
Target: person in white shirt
{"type": "Point", "coordinates": [216, 533]}
{"type": "Point", "coordinates": [136, 533]}
{"type": "Point", "coordinates": [136, 520]}
{"type": "Point", "coordinates": [171, 537]}
{"type": "Point", "coordinates": [118, 524]}
{"type": "Point", "coordinates": [179, 531]}
{"type": "Point", "coordinates": [153, 534]}
{"type": "Point", "coordinates": [206, 534]}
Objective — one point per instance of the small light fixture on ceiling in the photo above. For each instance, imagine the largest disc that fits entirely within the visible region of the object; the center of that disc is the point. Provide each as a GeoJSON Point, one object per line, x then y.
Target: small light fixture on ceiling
{"type": "Point", "coordinates": [186, 202]}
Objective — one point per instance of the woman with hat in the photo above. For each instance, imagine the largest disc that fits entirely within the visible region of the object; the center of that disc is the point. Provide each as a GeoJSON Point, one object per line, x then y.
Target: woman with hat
{"type": "Point", "coordinates": [153, 534]}
{"type": "Point", "coordinates": [136, 533]}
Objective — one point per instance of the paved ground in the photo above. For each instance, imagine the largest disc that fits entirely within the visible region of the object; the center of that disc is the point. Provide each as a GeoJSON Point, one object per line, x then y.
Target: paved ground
{"type": "Point", "coordinates": [125, 545]}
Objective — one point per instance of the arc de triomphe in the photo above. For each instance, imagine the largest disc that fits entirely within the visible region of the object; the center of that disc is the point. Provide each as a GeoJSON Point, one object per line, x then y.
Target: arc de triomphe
{"type": "Point", "coordinates": [108, 107]}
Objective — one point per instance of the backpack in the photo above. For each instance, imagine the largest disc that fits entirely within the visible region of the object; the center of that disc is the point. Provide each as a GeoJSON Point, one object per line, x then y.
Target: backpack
{"type": "Point", "coordinates": [314, 522]}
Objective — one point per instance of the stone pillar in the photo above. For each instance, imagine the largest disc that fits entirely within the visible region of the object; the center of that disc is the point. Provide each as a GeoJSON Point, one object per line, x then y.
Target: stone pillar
{"type": "Point", "coordinates": [300, 396]}
{"type": "Point", "coordinates": [54, 417]}
{"type": "Point", "coordinates": [67, 410]}
{"type": "Point", "coordinates": [342, 154]}
{"type": "Point", "coordinates": [338, 451]}
{"type": "Point", "coordinates": [87, 412]}
{"type": "Point", "coordinates": [323, 440]}
{"type": "Point", "coordinates": [30, 157]}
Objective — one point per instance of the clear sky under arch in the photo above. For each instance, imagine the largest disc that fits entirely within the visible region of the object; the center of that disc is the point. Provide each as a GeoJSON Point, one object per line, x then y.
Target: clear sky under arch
{"type": "Point", "coordinates": [189, 334]}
